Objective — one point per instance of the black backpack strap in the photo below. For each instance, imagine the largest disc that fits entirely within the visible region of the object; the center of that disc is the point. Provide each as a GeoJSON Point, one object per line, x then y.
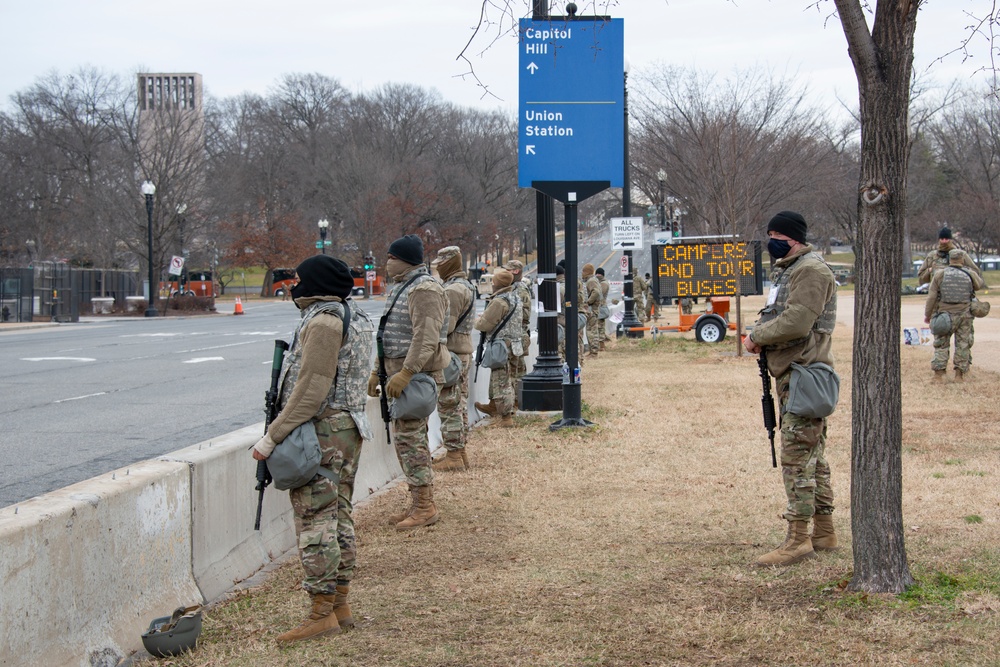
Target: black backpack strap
{"type": "Point", "coordinates": [472, 302]}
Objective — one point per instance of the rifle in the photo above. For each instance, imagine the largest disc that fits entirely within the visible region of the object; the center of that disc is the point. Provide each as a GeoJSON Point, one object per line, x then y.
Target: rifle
{"type": "Point", "coordinates": [383, 376]}
{"type": "Point", "coordinates": [479, 354]}
{"type": "Point", "coordinates": [270, 412]}
{"type": "Point", "coordinates": [767, 402]}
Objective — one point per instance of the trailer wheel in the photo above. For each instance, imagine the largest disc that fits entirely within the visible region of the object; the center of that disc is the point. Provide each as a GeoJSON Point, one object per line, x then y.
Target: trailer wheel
{"type": "Point", "coordinates": [709, 330]}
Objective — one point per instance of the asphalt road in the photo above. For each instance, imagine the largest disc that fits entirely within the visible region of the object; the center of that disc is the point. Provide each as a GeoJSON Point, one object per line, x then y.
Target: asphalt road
{"type": "Point", "coordinates": [84, 399]}
{"type": "Point", "coordinates": [80, 400]}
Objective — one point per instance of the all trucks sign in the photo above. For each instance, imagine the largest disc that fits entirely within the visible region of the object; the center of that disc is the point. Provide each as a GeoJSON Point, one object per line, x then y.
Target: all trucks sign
{"type": "Point", "coordinates": [706, 269]}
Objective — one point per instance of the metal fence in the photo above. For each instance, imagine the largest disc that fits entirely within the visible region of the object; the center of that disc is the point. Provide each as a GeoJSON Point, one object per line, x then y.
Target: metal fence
{"type": "Point", "coordinates": [54, 291]}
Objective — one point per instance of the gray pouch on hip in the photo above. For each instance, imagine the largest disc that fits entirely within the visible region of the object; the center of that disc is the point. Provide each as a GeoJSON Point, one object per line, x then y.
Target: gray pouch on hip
{"type": "Point", "coordinates": [418, 400]}
{"type": "Point", "coordinates": [813, 391]}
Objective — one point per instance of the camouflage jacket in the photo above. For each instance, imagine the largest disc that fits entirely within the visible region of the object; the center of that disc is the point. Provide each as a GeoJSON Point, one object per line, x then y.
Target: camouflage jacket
{"type": "Point", "coordinates": [320, 375]}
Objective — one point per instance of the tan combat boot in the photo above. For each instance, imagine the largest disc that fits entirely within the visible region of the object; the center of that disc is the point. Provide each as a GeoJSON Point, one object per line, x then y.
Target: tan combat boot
{"type": "Point", "coordinates": [341, 608]}
{"type": "Point", "coordinates": [322, 621]}
{"type": "Point", "coordinates": [487, 408]}
{"type": "Point", "coordinates": [960, 375]}
{"type": "Point", "coordinates": [453, 460]}
{"type": "Point", "coordinates": [507, 421]}
{"type": "Point", "coordinates": [601, 348]}
{"type": "Point", "coordinates": [399, 516]}
{"type": "Point", "coordinates": [797, 547]}
{"type": "Point", "coordinates": [424, 513]}
{"type": "Point", "coordinates": [823, 537]}
{"type": "Point", "coordinates": [939, 376]}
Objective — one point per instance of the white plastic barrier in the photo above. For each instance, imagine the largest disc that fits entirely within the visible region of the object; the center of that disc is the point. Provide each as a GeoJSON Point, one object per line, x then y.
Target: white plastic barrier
{"type": "Point", "coordinates": [86, 568]}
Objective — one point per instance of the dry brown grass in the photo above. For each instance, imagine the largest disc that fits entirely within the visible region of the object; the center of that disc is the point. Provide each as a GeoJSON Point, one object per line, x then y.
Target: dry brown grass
{"type": "Point", "coordinates": [632, 543]}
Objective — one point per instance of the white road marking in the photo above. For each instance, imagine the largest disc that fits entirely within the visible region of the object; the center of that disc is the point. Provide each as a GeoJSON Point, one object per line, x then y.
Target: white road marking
{"type": "Point", "coordinates": [58, 359]}
{"type": "Point", "coordinates": [198, 360]}
{"type": "Point", "coordinates": [77, 398]}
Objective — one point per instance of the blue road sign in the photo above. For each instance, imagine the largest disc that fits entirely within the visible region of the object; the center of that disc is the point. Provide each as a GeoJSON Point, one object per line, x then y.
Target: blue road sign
{"type": "Point", "coordinates": [571, 120]}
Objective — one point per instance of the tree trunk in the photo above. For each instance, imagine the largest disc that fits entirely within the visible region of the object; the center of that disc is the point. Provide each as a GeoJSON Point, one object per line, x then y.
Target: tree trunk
{"type": "Point", "coordinates": [883, 63]}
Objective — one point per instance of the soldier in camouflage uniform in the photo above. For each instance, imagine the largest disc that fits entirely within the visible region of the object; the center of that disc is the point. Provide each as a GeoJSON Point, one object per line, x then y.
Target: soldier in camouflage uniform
{"type": "Point", "coordinates": [592, 297]}
{"type": "Point", "coordinates": [453, 401]}
{"type": "Point", "coordinates": [648, 298]}
{"type": "Point", "coordinates": [602, 322]}
{"type": "Point", "coordinates": [638, 297]}
{"type": "Point", "coordinates": [415, 341]}
{"type": "Point", "coordinates": [495, 320]}
{"type": "Point", "coordinates": [951, 291]}
{"type": "Point", "coordinates": [939, 258]}
{"type": "Point", "coordinates": [323, 381]}
{"type": "Point", "coordinates": [795, 327]}
{"type": "Point", "coordinates": [518, 365]}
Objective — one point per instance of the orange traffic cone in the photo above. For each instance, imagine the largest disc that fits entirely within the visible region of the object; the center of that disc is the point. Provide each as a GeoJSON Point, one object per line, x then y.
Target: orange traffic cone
{"type": "Point", "coordinates": [239, 307]}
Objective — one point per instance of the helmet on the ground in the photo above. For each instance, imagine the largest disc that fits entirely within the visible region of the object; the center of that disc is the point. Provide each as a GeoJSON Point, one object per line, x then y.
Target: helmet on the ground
{"type": "Point", "coordinates": [174, 634]}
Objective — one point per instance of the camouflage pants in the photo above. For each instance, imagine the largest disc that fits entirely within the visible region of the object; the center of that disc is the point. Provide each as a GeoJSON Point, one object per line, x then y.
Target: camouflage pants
{"type": "Point", "coordinates": [580, 353]}
{"type": "Point", "coordinates": [639, 307]}
{"type": "Point", "coordinates": [322, 509]}
{"type": "Point", "coordinates": [961, 327]}
{"type": "Point", "coordinates": [501, 390]}
{"type": "Point", "coordinates": [804, 469]}
{"type": "Point", "coordinates": [593, 333]}
{"type": "Point", "coordinates": [649, 308]}
{"type": "Point", "coordinates": [409, 437]}
{"type": "Point", "coordinates": [453, 409]}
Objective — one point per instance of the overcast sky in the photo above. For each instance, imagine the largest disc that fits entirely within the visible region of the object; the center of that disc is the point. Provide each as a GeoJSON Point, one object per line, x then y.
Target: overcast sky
{"type": "Point", "coordinates": [246, 46]}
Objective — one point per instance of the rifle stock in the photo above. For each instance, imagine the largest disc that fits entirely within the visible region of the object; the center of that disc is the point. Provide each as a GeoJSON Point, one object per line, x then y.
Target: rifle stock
{"type": "Point", "coordinates": [479, 354]}
{"type": "Point", "coordinates": [767, 403]}
{"type": "Point", "coordinates": [270, 412]}
{"type": "Point", "coordinates": [383, 376]}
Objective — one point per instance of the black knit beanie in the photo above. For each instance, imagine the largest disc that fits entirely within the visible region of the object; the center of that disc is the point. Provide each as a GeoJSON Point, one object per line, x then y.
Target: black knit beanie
{"type": "Point", "coordinates": [560, 270]}
{"type": "Point", "coordinates": [945, 233]}
{"type": "Point", "coordinates": [410, 249]}
{"type": "Point", "coordinates": [599, 271]}
{"type": "Point", "coordinates": [323, 275]}
{"type": "Point", "coordinates": [789, 223]}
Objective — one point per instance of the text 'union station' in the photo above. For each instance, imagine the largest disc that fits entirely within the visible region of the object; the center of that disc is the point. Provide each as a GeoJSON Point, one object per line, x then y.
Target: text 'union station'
{"type": "Point", "coordinates": [548, 130]}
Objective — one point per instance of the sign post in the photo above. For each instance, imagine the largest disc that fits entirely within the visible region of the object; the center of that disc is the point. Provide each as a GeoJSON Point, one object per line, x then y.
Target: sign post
{"type": "Point", "coordinates": [570, 137]}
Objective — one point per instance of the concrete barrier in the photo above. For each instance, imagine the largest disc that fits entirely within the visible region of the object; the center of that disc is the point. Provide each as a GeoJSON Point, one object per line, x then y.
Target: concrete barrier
{"type": "Point", "coordinates": [86, 568]}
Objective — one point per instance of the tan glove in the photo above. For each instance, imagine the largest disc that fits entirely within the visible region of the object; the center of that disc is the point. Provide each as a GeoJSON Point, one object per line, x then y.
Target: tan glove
{"type": "Point", "coordinates": [397, 383]}
{"type": "Point", "coordinates": [264, 447]}
{"type": "Point", "coordinates": [373, 385]}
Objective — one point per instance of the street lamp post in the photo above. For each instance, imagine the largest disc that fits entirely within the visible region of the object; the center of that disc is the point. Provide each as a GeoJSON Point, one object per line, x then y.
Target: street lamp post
{"type": "Point", "coordinates": [630, 323]}
{"type": "Point", "coordinates": [324, 224]}
{"type": "Point", "coordinates": [662, 176]}
{"type": "Point", "coordinates": [148, 189]}
{"type": "Point", "coordinates": [524, 244]}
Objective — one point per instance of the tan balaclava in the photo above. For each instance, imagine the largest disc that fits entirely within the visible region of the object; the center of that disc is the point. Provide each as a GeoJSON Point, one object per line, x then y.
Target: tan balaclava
{"type": "Point", "coordinates": [587, 271]}
{"type": "Point", "coordinates": [501, 279]}
{"type": "Point", "coordinates": [448, 261]}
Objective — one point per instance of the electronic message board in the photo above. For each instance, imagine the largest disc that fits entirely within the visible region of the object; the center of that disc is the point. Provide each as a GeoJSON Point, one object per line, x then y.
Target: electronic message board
{"type": "Point", "coordinates": [696, 269]}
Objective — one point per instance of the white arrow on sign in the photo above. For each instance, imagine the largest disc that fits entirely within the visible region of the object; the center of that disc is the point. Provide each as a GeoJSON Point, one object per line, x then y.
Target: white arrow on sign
{"type": "Point", "coordinates": [529, 149]}
{"type": "Point", "coordinates": [532, 67]}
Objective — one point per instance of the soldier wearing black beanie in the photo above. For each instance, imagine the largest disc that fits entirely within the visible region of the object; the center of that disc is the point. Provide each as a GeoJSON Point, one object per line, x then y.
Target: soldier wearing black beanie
{"type": "Point", "coordinates": [323, 275]}
{"type": "Point", "coordinates": [789, 223]}
{"type": "Point", "coordinates": [409, 248]}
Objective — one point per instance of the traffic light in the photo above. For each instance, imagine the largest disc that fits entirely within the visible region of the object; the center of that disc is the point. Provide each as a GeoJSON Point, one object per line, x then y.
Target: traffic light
{"type": "Point", "coordinates": [369, 263]}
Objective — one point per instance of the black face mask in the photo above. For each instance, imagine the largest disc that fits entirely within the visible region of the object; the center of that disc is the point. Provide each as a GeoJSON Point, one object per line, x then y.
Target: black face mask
{"type": "Point", "coordinates": [776, 248]}
{"type": "Point", "coordinates": [298, 290]}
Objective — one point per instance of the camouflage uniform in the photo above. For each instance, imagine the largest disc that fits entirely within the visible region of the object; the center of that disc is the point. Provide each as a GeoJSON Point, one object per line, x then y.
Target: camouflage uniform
{"type": "Point", "coordinates": [938, 259]}
{"type": "Point", "coordinates": [638, 297]}
{"type": "Point", "coordinates": [416, 339]}
{"type": "Point", "coordinates": [561, 315]}
{"type": "Point", "coordinates": [518, 364]}
{"type": "Point", "coordinates": [602, 322]}
{"type": "Point", "coordinates": [790, 331]}
{"type": "Point", "coordinates": [322, 508]}
{"type": "Point", "coordinates": [594, 301]}
{"type": "Point", "coordinates": [648, 297]}
{"type": "Point", "coordinates": [951, 290]}
{"type": "Point", "coordinates": [453, 401]}
{"type": "Point", "coordinates": [501, 303]}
